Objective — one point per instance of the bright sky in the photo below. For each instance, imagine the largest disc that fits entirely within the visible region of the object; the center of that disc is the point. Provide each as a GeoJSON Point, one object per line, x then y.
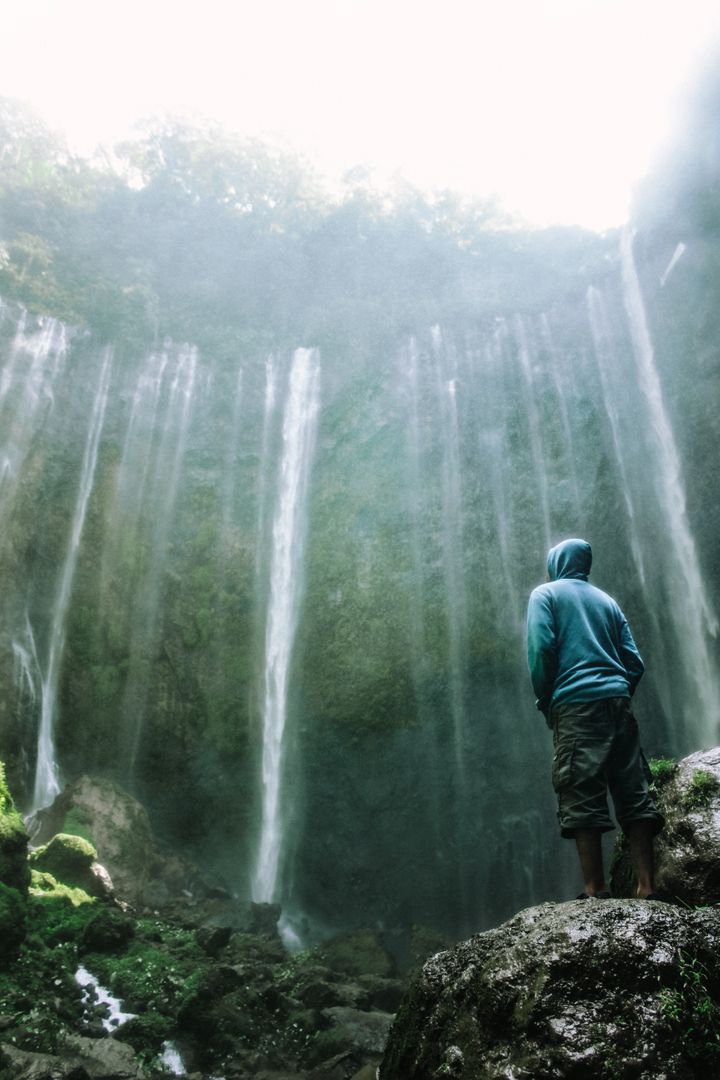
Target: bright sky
{"type": "Point", "coordinates": [556, 105]}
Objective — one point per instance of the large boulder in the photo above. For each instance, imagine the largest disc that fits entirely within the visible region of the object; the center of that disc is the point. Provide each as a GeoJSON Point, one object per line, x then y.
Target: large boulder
{"type": "Point", "coordinates": [115, 823]}
{"type": "Point", "coordinates": [588, 990]}
{"type": "Point", "coordinates": [72, 861]}
{"type": "Point", "coordinates": [118, 827]}
{"type": "Point", "coordinates": [13, 841]}
{"type": "Point", "coordinates": [79, 1058]}
{"type": "Point", "coordinates": [687, 851]}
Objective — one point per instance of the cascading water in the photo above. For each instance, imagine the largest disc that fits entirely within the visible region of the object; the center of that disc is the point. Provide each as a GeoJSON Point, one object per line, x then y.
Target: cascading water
{"type": "Point", "coordinates": [605, 356]}
{"type": "Point", "coordinates": [611, 370]}
{"type": "Point", "coordinates": [268, 414]}
{"type": "Point", "coordinates": [230, 470]}
{"type": "Point", "coordinates": [560, 380]}
{"type": "Point", "coordinates": [696, 624]}
{"type": "Point", "coordinates": [47, 781]}
{"type": "Point", "coordinates": [26, 393]}
{"type": "Point", "coordinates": [441, 483]}
{"type": "Point", "coordinates": [162, 493]}
{"type": "Point", "coordinates": [453, 548]}
{"type": "Point", "coordinates": [491, 445]}
{"type": "Point", "coordinates": [410, 374]}
{"type": "Point", "coordinates": [527, 363]}
{"type": "Point", "coordinates": [289, 526]}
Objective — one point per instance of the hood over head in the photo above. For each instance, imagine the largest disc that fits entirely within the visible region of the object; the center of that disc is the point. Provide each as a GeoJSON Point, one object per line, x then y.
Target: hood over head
{"type": "Point", "coordinates": [569, 559]}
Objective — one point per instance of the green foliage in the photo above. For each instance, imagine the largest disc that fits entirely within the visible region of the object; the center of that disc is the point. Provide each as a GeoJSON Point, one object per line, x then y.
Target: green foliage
{"type": "Point", "coordinates": [13, 840]}
{"type": "Point", "coordinates": [12, 920]}
{"type": "Point", "coordinates": [662, 770]}
{"type": "Point", "coordinates": [207, 237]}
{"type": "Point", "coordinates": [693, 1011]}
{"type": "Point", "coordinates": [43, 884]}
{"type": "Point", "coordinates": [159, 970]}
{"type": "Point", "coordinates": [38, 992]}
{"type": "Point", "coordinates": [703, 787]}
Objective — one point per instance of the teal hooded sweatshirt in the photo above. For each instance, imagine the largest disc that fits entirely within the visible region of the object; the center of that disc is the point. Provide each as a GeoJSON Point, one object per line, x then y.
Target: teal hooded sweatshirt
{"type": "Point", "coordinates": [579, 644]}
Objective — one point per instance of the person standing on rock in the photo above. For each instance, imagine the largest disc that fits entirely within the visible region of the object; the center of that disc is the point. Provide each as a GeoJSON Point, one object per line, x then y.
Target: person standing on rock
{"type": "Point", "coordinates": [585, 667]}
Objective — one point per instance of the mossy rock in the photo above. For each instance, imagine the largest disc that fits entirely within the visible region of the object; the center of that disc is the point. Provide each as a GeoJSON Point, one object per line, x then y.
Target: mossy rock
{"type": "Point", "coordinates": [108, 931]}
{"type": "Point", "coordinates": [99, 811]}
{"type": "Point", "coordinates": [360, 952]}
{"type": "Point", "coordinates": [13, 912]}
{"type": "Point", "coordinates": [146, 1033]}
{"type": "Point", "coordinates": [68, 859]}
{"type": "Point", "coordinates": [44, 886]}
{"type": "Point", "coordinates": [14, 870]}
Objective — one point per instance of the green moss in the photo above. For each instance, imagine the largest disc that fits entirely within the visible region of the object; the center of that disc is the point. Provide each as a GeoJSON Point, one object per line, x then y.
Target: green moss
{"type": "Point", "coordinates": [702, 789]}
{"type": "Point", "coordinates": [38, 992]}
{"type": "Point", "coordinates": [12, 921]}
{"type": "Point", "coordinates": [357, 953]}
{"type": "Point", "coordinates": [77, 823]}
{"type": "Point", "coordinates": [67, 858]}
{"type": "Point", "coordinates": [13, 840]}
{"type": "Point", "coordinates": [43, 884]}
{"type": "Point", "coordinates": [158, 972]}
{"type": "Point", "coordinates": [692, 1011]}
{"type": "Point", "coordinates": [55, 920]}
{"type": "Point", "coordinates": [662, 770]}
{"type": "Point", "coordinates": [146, 1034]}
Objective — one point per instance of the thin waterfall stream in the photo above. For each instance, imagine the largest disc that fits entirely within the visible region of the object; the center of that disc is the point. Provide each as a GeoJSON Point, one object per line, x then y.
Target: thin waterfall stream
{"type": "Point", "coordinates": [47, 778]}
{"type": "Point", "coordinates": [696, 623]}
{"type": "Point", "coordinates": [289, 526]}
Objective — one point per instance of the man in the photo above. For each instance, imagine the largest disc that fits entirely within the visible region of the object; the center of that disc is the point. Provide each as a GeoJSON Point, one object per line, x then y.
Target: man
{"type": "Point", "coordinates": [585, 667]}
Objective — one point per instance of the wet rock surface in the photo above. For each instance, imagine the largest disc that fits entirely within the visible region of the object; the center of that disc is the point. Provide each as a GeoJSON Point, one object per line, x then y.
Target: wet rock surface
{"type": "Point", "coordinates": [589, 990]}
{"type": "Point", "coordinates": [14, 871]}
{"type": "Point", "coordinates": [687, 851]}
{"type": "Point", "coordinates": [118, 827]}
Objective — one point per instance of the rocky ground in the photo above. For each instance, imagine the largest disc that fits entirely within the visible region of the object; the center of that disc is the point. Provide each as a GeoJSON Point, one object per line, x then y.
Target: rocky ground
{"type": "Point", "coordinates": [206, 985]}
{"type": "Point", "coordinates": [589, 990]}
{"type": "Point", "coordinates": [599, 990]}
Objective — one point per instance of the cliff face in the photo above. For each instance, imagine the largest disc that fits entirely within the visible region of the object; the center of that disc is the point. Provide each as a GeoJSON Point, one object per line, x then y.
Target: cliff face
{"type": "Point", "coordinates": [482, 393]}
{"type": "Point", "coordinates": [140, 555]}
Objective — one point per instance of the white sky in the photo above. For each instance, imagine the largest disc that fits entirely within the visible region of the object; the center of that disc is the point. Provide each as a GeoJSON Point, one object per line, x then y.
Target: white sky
{"type": "Point", "coordinates": [556, 105]}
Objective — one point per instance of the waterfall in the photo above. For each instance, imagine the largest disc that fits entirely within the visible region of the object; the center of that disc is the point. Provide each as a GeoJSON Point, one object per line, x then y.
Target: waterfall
{"type": "Point", "coordinates": [453, 549]}
{"type": "Point", "coordinates": [694, 620]}
{"type": "Point", "coordinates": [415, 500]}
{"type": "Point", "coordinates": [47, 783]}
{"type": "Point", "coordinates": [162, 488]}
{"type": "Point", "coordinates": [25, 668]}
{"type": "Point", "coordinates": [534, 429]}
{"type": "Point", "coordinates": [561, 392]}
{"type": "Point", "coordinates": [23, 393]}
{"type": "Point", "coordinates": [494, 459]}
{"type": "Point", "coordinates": [288, 541]}
{"type": "Point", "coordinates": [268, 413]}
{"type": "Point", "coordinates": [605, 357]}
{"type": "Point", "coordinates": [230, 465]}
{"type": "Point", "coordinates": [131, 478]}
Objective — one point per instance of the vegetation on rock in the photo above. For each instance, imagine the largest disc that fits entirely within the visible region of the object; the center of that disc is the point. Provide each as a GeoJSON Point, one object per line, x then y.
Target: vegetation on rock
{"type": "Point", "coordinates": [13, 841]}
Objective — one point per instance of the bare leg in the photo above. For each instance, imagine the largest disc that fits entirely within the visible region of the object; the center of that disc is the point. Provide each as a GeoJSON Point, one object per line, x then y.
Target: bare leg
{"type": "Point", "coordinates": [589, 849]}
{"type": "Point", "coordinates": [640, 838]}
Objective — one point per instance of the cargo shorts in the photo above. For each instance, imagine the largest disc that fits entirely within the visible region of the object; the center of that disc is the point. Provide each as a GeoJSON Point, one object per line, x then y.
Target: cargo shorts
{"type": "Point", "coordinates": [597, 748]}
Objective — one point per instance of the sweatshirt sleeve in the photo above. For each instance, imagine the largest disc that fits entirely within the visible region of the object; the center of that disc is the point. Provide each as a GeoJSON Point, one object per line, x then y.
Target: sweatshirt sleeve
{"type": "Point", "coordinates": [630, 656]}
{"type": "Point", "coordinates": [542, 647]}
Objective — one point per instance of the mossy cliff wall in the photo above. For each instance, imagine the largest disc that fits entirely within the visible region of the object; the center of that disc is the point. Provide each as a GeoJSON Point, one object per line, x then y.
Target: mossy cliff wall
{"type": "Point", "coordinates": [455, 441]}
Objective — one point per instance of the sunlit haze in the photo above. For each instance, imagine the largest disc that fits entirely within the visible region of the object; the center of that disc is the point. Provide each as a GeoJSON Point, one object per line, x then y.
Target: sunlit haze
{"type": "Point", "coordinates": [555, 105]}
